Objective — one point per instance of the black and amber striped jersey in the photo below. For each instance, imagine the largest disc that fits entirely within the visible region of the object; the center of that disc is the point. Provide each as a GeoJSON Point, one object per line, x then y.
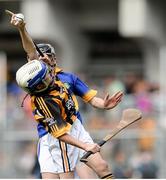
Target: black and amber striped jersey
{"type": "Point", "coordinates": [55, 109]}
{"type": "Point", "coordinates": [75, 87]}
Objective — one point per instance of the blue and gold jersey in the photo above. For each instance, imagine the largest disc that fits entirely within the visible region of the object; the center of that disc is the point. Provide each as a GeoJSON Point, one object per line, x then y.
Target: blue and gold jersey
{"type": "Point", "coordinates": [75, 87]}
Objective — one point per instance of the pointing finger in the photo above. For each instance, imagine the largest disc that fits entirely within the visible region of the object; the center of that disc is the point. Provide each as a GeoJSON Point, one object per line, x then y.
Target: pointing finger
{"type": "Point", "coordinates": [9, 12]}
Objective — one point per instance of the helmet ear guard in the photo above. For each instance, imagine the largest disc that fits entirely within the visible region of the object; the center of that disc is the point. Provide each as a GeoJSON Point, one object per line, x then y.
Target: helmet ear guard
{"type": "Point", "coordinates": [34, 77]}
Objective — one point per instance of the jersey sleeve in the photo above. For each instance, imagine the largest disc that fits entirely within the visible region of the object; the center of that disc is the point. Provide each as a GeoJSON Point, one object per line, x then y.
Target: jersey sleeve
{"type": "Point", "coordinates": [47, 112]}
{"type": "Point", "coordinates": [81, 89]}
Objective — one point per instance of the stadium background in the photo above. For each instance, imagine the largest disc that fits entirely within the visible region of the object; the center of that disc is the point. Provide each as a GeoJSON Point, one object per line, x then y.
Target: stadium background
{"type": "Point", "coordinates": [112, 45]}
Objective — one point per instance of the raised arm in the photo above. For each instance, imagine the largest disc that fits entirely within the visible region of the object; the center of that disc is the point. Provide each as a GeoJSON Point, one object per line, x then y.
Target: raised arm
{"type": "Point", "coordinates": [26, 39]}
{"type": "Point", "coordinates": [27, 43]}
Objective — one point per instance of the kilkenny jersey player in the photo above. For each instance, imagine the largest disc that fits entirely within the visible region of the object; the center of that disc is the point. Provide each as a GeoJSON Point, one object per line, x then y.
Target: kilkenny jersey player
{"type": "Point", "coordinates": [55, 111]}
{"type": "Point", "coordinates": [71, 83]}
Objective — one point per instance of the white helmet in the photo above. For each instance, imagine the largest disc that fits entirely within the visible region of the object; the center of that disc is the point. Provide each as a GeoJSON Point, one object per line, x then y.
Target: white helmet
{"type": "Point", "coordinates": [34, 77]}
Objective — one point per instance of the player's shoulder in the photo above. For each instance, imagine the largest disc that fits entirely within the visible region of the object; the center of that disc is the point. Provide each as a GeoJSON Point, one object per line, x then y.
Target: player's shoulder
{"type": "Point", "coordinates": [59, 70]}
{"type": "Point", "coordinates": [67, 74]}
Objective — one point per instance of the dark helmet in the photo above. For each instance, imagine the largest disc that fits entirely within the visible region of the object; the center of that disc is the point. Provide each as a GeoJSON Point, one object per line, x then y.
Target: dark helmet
{"type": "Point", "coordinates": [47, 49]}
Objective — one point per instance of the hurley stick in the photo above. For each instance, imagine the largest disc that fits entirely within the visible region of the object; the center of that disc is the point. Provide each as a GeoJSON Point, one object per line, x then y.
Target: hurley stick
{"type": "Point", "coordinates": [129, 116]}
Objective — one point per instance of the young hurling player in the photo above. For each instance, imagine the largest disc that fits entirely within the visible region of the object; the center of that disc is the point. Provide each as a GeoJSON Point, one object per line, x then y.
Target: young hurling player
{"type": "Point", "coordinates": [75, 85]}
{"type": "Point", "coordinates": [54, 108]}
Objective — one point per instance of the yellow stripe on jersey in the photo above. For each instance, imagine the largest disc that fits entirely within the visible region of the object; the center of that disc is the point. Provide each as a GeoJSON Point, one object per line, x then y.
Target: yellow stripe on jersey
{"type": "Point", "coordinates": [46, 108]}
{"type": "Point", "coordinates": [89, 95]}
{"type": "Point", "coordinates": [61, 131]}
{"type": "Point", "coordinates": [64, 154]}
{"type": "Point", "coordinates": [42, 107]}
{"type": "Point", "coordinates": [63, 114]}
{"type": "Point", "coordinates": [38, 117]}
{"type": "Point", "coordinates": [57, 69]}
{"type": "Point", "coordinates": [55, 131]}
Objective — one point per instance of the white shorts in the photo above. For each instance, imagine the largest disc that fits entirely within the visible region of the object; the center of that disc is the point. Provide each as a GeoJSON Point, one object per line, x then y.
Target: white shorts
{"type": "Point", "coordinates": [56, 156]}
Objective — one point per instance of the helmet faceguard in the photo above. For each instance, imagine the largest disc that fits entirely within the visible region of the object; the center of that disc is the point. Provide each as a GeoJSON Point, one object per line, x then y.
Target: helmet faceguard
{"type": "Point", "coordinates": [50, 51]}
{"type": "Point", "coordinates": [34, 77]}
{"type": "Point", "coordinates": [46, 49]}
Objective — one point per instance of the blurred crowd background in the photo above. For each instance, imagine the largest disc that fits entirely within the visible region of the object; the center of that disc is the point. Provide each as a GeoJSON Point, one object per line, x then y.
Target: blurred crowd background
{"type": "Point", "coordinates": [110, 44]}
